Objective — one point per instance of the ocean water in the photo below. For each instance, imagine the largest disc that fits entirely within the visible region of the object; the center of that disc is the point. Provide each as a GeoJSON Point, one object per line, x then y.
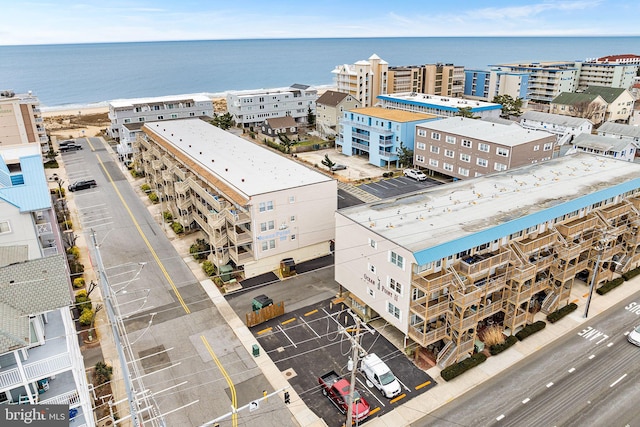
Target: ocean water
{"type": "Point", "coordinates": [67, 76]}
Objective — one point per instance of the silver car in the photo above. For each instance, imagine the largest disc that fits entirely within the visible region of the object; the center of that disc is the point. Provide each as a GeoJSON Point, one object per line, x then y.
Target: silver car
{"type": "Point", "coordinates": [634, 336]}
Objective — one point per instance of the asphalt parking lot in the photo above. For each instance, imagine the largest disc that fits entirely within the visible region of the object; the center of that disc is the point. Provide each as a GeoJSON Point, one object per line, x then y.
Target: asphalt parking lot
{"type": "Point", "coordinates": [397, 186]}
{"type": "Point", "coordinates": [308, 342]}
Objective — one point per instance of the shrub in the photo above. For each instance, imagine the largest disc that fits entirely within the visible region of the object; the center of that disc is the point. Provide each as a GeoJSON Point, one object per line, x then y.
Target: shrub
{"type": "Point", "coordinates": [102, 373]}
{"type": "Point", "coordinates": [86, 317]}
{"type": "Point", "coordinates": [57, 191]}
{"type": "Point", "coordinates": [74, 252]}
{"type": "Point", "coordinates": [167, 216]}
{"type": "Point", "coordinates": [493, 335]}
{"type": "Point", "coordinates": [78, 282]}
{"type": "Point", "coordinates": [134, 173]}
{"type": "Point", "coordinates": [499, 348]}
{"type": "Point", "coordinates": [51, 164]}
{"type": "Point", "coordinates": [531, 329]}
{"type": "Point", "coordinates": [145, 187]}
{"type": "Point", "coordinates": [75, 267]}
{"type": "Point", "coordinates": [631, 274]}
{"type": "Point", "coordinates": [200, 249]}
{"type": "Point", "coordinates": [452, 371]}
{"type": "Point", "coordinates": [177, 227]}
{"type": "Point", "coordinates": [610, 286]}
{"type": "Point", "coordinates": [83, 302]}
{"type": "Point", "coordinates": [219, 282]}
{"type": "Point", "coordinates": [154, 197]}
{"type": "Point", "coordinates": [66, 225]}
{"type": "Point", "coordinates": [560, 313]}
{"type": "Point", "coordinates": [209, 268]}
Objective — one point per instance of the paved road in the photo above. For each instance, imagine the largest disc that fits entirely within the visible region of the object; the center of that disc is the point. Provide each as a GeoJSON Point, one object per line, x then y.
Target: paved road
{"type": "Point", "coordinates": [180, 342]}
{"type": "Point", "coordinates": [588, 377]}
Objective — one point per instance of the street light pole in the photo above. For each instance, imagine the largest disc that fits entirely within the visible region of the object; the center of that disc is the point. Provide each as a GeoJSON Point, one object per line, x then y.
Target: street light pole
{"type": "Point", "coordinates": [593, 280]}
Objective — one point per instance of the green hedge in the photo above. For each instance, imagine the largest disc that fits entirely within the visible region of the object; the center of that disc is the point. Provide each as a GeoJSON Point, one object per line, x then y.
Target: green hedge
{"type": "Point", "coordinates": [499, 348]}
{"type": "Point", "coordinates": [631, 274]}
{"type": "Point", "coordinates": [560, 313]}
{"type": "Point", "coordinates": [610, 285]}
{"type": "Point", "coordinates": [452, 371]}
{"type": "Point", "coordinates": [530, 329]}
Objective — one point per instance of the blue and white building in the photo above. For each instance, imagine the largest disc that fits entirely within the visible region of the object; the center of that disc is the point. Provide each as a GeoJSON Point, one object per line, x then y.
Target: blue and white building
{"type": "Point", "coordinates": [378, 133]}
{"type": "Point", "coordinates": [440, 106]}
{"type": "Point", "coordinates": [487, 84]}
{"type": "Point", "coordinates": [439, 263]}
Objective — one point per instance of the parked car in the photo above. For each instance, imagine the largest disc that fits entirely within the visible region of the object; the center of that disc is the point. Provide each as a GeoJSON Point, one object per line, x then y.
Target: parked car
{"type": "Point", "coordinates": [634, 336]}
{"type": "Point", "coordinates": [338, 167]}
{"type": "Point", "coordinates": [378, 373]}
{"type": "Point", "coordinates": [83, 185]}
{"type": "Point", "coordinates": [337, 390]}
{"type": "Point", "coordinates": [415, 174]}
{"type": "Point", "coordinates": [70, 147]}
{"type": "Point", "coordinates": [66, 142]}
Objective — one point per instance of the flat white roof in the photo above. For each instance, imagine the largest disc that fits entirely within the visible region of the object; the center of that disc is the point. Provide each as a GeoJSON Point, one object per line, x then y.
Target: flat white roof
{"type": "Point", "coordinates": [443, 101]}
{"type": "Point", "coordinates": [508, 135]}
{"type": "Point", "coordinates": [121, 103]}
{"type": "Point", "coordinates": [248, 167]}
{"type": "Point", "coordinates": [442, 214]}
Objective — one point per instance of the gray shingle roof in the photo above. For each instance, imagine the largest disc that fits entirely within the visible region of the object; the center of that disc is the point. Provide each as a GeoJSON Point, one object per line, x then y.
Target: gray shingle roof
{"type": "Point", "coordinates": [556, 119]}
{"type": "Point", "coordinates": [27, 288]}
{"type": "Point", "coordinates": [619, 129]}
{"type": "Point", "coordinates": [331, 98]}
{"type": "Point", "coordinates": [602, 143]}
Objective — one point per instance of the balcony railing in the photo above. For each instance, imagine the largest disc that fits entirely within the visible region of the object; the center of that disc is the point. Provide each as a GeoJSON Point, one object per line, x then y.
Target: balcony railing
{"type": "Point", "coordinates": [71, 398]}
{"type": "Point", "coordinates": [362, 147]}
{"type": "Point", "coordinates": [426, 338]}
{"type": "Point", "coordinates": [479, 263]}
{"type": "Point", "coordinates": [9, 378]}
{"type": "Point", "coordinates": [237, 217]}
{"type": "Point", "coordinates": [434, 310]}
{"type": "Point", "coordinates": [433, 281]}
{"type": "Point", "coordinates": [577, 226]}
{"type": "Point", "coordinates": [47, 367]}
{"type": "Point", "coordinates": [387, 154]}
{"type": "Point", "coordinates": [467, 298]}
{"type": "Point", "coordinates": [240, 257]}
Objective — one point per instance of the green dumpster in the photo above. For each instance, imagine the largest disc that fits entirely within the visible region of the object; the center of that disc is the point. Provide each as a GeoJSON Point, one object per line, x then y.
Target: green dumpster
{"type": "Point", "coordinates": [256, 350]}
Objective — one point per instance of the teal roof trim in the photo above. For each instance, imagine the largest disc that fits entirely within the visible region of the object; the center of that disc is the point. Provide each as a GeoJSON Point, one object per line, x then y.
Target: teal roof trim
{"type": "Point", "coordinates": [489, 235]}
{"type": "Point", "coordinates": [33, 195]}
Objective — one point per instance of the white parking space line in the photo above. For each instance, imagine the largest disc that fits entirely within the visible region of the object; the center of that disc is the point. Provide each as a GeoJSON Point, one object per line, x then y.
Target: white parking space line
{"type": "Point", "coordinates": [309, 326]}
{"type": "Point", "coordinates": [285, 334]}
{"type": "Point", "coordinates": [403, 385]}
{"type": "Point", "coordinates": [92, 207]}
{"type": "Point", "coordinates": [618, 380]}
{"type": "Point", "coordinates": [626, 333]}
{"type": "Point", "coordinates": [526, 400]}
{"type": "Point", "coordinates": [500, 417]}
{"type": "Point", "coordinates": [592, 356]}
{"type": "Point", "coordinates": [392, 183]}
{"type": "Point", "coordinates": [84, 193]}
{"type": "Point", "coordinates": [363, 385]}
{"type": "Point", "coordinates": [610, 344]}
{"type": "Point", "coordinates": [549, 385]}
{"type": "Point", "coordinates": [572, 370]}
{"type": "Point", "coordinates": [98, 223]}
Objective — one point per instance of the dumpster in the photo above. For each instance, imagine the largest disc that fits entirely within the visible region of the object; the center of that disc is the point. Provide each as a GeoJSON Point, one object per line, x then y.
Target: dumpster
{"type": "Point", "coordinates": [260, 302]}
{"type": "Point", "coordinates": [287, 267]}
{"type": "Point", "coordinates": [225, 272]}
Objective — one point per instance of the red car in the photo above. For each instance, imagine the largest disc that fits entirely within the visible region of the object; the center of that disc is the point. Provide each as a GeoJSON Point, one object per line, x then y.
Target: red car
{"type": "Point", "coordinates": [337, 390]}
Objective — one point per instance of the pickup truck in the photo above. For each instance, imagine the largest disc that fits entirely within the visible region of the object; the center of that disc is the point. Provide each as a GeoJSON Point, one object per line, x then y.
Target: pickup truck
{"type": "Point", "coordinates": [415, 174]}
{"type": "Point", "coordinates": [337, 390]}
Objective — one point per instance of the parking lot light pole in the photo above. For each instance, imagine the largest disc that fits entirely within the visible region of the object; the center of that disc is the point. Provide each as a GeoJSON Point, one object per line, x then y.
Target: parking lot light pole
{"type": "Point", "coordinates": [593, 280]}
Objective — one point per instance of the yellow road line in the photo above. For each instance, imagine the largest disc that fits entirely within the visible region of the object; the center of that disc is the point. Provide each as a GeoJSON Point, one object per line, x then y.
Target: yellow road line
{"type": "Point", "coordinates": [585, 295]}
{"type": "Point", "coordinates": [289, 321]}
{"type": "Point", "coordinates": [90, 144]}
{"type": "Point", "coordinates": [155, 256]}
{"type": "Point", "coordinates": [234, 398]}
{"type": "Point", "coordinates": [374, 410]}
{"type": "Point", "coordinates": [264, 331]}
{"type": "Point", "coordinates": [419, 386]}
{"type": "Point", "coordinates": [309, 313]}
{"type": "Point", "coordinates": [395, 399]}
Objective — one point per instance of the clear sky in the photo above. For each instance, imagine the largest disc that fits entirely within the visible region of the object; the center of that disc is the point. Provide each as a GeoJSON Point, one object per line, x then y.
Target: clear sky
{"type": "Point", "coordinates": [68, 21]}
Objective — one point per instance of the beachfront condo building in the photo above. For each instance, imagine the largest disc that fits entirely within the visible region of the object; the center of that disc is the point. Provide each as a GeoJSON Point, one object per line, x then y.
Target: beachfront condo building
{"type": "Point", "coordinates": [463, 148]}
{"type": "Point", "coordinates": [440, 106]}
{"type": "Point", "coordinates": [365, 80]}
{"type": "Point", "coordinates": [435, 79]}
{"type": "Point", "coordinates": [485, 85]}
{"type": "Point", "coordinates": [379, 134]}
{"type": "Point", "coordinates": [565, 127]}
{"type": "Point", "coordinates": [21, 120]}
{"type": "Point", "coordinates": [442, 264]}
{"type": "Point", "coordinates": [611, 75]}
{"type": "Point", "coordinates": [142, 110]}
{"type": "Point", "coordinates": [254, 206]}
{"type": "Point", "coordinates": [617, 59]}
{"type": "Point", "coordinates": [40, 360]}
{"type": "Point", "coordinates": [329, 109]}
{"type": "Point", "coordinates": [250, 108]}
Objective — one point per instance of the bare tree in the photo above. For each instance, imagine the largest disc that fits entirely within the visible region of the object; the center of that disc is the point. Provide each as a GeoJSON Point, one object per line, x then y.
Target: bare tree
{"type": "Point", "coordinates": [586, 110]}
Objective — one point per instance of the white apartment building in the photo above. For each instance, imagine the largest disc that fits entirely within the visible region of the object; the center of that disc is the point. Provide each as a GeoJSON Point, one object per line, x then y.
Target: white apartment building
{"type": "Point", "coordinates": [21, 120]}
{"type": "Point", "coordinates": [440, 263]}
{"type": "Point", "coordinates": [365, 80]}
{"type": "Point", "coordinates": [252, 107]}
{"type": "Point", "coordinates": [620, 149]}
{"type": "Point", "coordinates": [621, 131]}
{"type": "Point", "coordinates": [142, 110]}
{"type": "Point", "coordinates": [255, 206]}
{"type": "Point", "coordinates": [612, 75]}
{"type": "Point", "coordinates": [566, 127]}
{"type": "Point", "coordinates": [441, 106]}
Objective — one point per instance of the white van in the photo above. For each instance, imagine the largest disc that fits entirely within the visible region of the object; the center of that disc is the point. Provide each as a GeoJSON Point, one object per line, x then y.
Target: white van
{"type": "Point", "coordinates": [380, 375]}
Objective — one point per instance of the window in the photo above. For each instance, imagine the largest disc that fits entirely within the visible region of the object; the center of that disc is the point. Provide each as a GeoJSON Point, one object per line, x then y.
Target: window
{"type": "Point", "coordinates": [156, 107]}
{"type": "Point", "coordinates": [422, 132]}
{"type": "Point", "coordinates": [448, 167]}
{"type": "Point", "coordinates": [547, 146]}
{"type": "Point", "coordinates": [265, 206]}
{"type": "Point", "coordinates": [465, 158]}
{"type": "Point", "coordinates": [421, 146]}
{"type": "Point", "coordinates": [449, 153]}
{"type": "Point", "coordinates": [372, 268]}
{"type": "Point", "coordinates": [373, 243]}
{"type": "Point", "coordinates": [466, 143]}
{"type": "Point", "coordinates": [500, 151]}
{"type": "Point", "coordinates": [435, 135]}
{"type": "Point", "coordinates": [419, 158]}
{"type": "Point", "coordinates": [395, 286]}
{"type": "Point", "coordinates": [5, 227]}
{"type": "Point", "coordinates": [435, 149]}
{"type": "Point", "coordinates": [141, 119]}
{"type": "Point", "coordinates": [272, 244]}
{"type": "Point", "coordinates": [536, 148]}
{"type": "Point", "coordinates": [393, 310]}
{"type": "Point", "coordinates": [175, 116]}
{"type": "Point", "coordinates": [433, 162]}
{"type": "Point", "coordinates": [482, 162]}
{"type": "Point", "coordinates": [371, 293]}
{"type": "Point", "coordinates": [500, 167]}
{"type": "Point", "coordinates": [483, 147]}
{"type": "Point", "coordinates": [264, 226]}
{"type": "Point", "coordinates": [292, 199]}
{"type": "Point", "coordinates": [397, 260]}
{"type": "Point", "coordinates": [268, 244]}
{"type": "Point", "coordinates": [127, 120]}
{"type": "Point", "coordinates": [463, 171]}
{"type": "Point", "coordinates": [450, 139]}
{"type": "Point", "coordinates": [293, 218]}
{"type": "Point", "coordinates": [269, 205]}
{"type": "Point", "coordinates": [160, 117]}
{"type": "Point", "coordinates": [293, 237]}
